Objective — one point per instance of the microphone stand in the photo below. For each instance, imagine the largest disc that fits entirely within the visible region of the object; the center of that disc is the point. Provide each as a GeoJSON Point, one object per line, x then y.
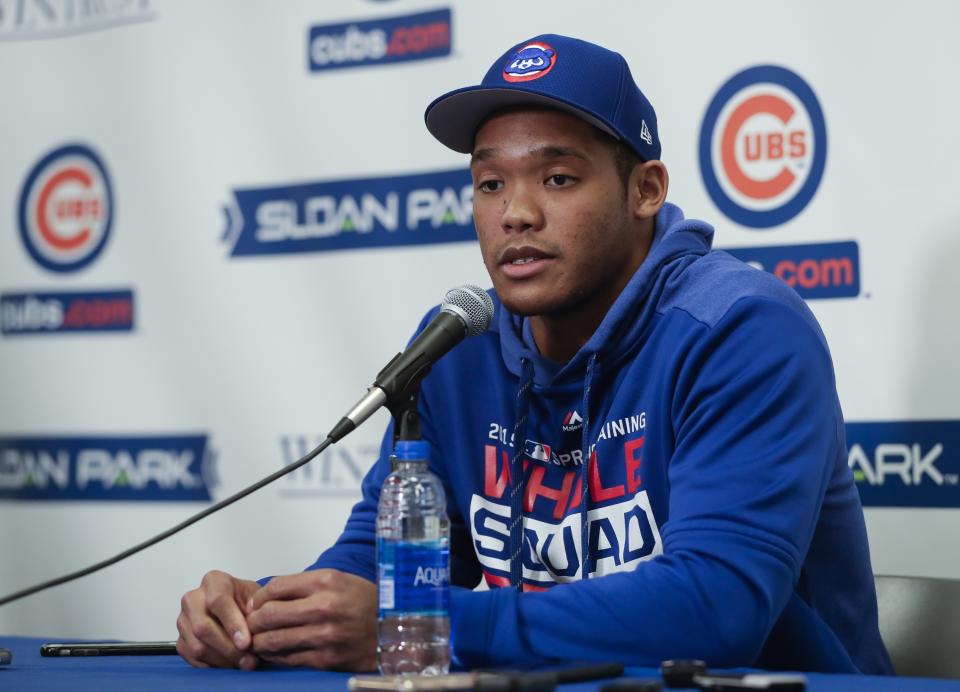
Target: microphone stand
{"type": "Point", "coordinates": [406, 419]}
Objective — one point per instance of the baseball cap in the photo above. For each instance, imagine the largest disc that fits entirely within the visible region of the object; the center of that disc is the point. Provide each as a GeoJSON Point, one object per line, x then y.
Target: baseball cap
{"type": "Point", "coordinates": [569, 74]}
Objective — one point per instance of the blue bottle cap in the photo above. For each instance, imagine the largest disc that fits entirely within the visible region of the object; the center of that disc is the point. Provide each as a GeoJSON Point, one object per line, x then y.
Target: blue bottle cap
{"type": "Point", "coordinates": [408, 450]}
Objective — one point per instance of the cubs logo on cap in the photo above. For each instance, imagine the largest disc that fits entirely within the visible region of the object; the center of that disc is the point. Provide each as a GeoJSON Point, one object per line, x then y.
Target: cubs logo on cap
{"type": "Point", "coordinates": [591, 82]}
{"type": "Point", "coordinates": [531, 62]}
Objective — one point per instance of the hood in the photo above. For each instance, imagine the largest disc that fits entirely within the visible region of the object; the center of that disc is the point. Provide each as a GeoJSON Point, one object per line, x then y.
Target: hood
{"type": "Point", "coordinates": [676, 241]}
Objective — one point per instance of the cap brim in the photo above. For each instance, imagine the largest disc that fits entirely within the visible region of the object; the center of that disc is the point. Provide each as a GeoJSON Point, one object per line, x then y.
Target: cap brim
{"type": "Point", "coordinates": [455, 117]}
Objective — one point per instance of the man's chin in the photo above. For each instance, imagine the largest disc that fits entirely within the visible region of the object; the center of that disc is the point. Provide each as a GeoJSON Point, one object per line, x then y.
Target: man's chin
{"type": "Point", "coordinates": [526, 306]}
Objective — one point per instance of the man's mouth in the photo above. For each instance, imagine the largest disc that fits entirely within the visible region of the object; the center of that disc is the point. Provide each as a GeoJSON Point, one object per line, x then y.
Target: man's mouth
{"type": "Point", "coordinates": [523, 263]}
{"type": "Point", "coordinates": [518, 256]}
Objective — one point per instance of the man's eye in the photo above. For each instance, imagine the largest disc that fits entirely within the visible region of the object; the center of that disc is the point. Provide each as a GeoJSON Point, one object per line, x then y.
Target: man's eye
{"type": "Point", "coordinates": [559, 180]}
{"type": "Point", "coordinates": [491, 185]}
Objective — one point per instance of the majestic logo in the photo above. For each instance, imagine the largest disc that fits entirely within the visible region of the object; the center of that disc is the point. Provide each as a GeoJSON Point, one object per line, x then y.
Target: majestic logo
{"type": "Point", "coordinates": [169, 468]}
{"type": "Point", "coordinates": [906, 464]}
{"type": "Point", "coordinates": [531, 62]}
{"type": "Point", "coordinates": [822, 270]}
{"type": "Point", "coordinates": [66, 206]}
{"type": "Point", "coordinates": [380, 41]}
{"type": "Point", "coordinates": [39, 19]}
{"type": "Point", "coordinates": [572, 421]}
{"type": "Point", "coordinates": [338, 215]}
{"type": "Point", "coordinates": [47, 313]}
{"type": "Point", "coordinates": [763, 146]}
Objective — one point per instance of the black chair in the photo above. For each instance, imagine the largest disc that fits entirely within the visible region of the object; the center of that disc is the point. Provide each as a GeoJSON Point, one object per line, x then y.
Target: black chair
{"type": "Point", "coordinates": [920, 624]}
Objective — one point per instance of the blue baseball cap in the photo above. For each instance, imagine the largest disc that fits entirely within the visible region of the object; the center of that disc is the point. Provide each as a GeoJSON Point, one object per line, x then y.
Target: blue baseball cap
{"type": "Point", "coordinates": [560, 72]}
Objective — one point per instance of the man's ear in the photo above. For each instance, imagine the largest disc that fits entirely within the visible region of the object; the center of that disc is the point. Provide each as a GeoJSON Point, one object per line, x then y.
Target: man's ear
{"type": "Point", "coordinates": [648, 188]}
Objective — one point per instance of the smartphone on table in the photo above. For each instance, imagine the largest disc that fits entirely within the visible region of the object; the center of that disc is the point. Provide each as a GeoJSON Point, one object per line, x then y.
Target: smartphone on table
{"type": "Point", "coordinates": [110, 649]}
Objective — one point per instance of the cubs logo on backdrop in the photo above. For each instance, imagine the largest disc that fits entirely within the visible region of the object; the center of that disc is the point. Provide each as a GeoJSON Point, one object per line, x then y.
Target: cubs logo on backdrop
{"type": "Point", "coordinates": [532, 61]}
{"type": "Point", "coordinates": [66, 209]}
{"type": "Point", "coordinates": [763, 146]}
{"type": "Point", "coordinates": [65, 214]}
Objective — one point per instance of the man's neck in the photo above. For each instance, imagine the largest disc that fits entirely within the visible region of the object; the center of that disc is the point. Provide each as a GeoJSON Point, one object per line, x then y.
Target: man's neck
{"type": "Point", "coordinates": [559, 337]}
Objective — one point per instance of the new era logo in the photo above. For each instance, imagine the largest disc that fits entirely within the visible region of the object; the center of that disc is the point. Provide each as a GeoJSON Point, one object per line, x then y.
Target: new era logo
{"type": "Point", "coordinates": [645, 133]}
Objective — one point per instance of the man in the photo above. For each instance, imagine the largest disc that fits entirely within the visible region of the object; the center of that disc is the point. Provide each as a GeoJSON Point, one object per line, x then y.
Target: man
{"type": "Point", "coordinates": [663, 418]}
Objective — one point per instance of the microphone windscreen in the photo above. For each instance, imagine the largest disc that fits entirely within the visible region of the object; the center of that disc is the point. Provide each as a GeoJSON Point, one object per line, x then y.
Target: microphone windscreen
{"type": "Point", "coordinates": [472, 304]}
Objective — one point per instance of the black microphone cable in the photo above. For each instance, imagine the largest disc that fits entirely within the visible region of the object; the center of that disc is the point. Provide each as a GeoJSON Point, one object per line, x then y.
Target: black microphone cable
{"type": "Point", "coordinates": [171, 531]}
{"type": "Point", "coordinates": [465, 311]}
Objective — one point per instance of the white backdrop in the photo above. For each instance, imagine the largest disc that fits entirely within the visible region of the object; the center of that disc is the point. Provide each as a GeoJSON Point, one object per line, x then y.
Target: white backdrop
{"type": "Point", "coordinates": [185, 103]}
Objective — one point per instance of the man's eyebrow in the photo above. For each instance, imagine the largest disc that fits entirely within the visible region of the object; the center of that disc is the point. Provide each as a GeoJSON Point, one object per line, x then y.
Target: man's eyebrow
{"type": "Point", "coordinates": [558, 152]}
{"type": "Point", "coordinates": [550, 151]}
{"type": "Point", "coordinates": [479, 155]}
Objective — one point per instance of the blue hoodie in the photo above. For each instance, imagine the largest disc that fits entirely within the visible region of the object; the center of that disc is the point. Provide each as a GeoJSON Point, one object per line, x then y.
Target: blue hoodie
{"type": "Point", "coordinates": [693, 450]}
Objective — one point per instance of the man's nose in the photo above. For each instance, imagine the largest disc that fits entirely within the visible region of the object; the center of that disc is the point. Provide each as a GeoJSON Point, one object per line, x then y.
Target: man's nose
{"type": "Point", "coordinates": [522, 210]}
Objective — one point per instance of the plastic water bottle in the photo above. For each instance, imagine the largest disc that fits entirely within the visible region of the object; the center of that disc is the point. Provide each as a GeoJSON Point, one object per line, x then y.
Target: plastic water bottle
{"type": "Point", "coordinates": [413, 563]}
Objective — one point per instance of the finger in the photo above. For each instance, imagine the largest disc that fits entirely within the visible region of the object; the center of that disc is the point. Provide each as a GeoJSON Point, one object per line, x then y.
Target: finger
{"type": "Point", "coordinates": [330, 658]}
{"type": "Point", "coordinates": [244, 593]}
{"type": "Point", "coordinates": [328, 645]}
{"type": "Point", "coordinates": [248, 662]}
{"type": "Point", "coordinates": [205, 631]}
{"type": "Point", "coordinates": [316, 609]}
{"type": "Point", "coordinates": [194, 651]}
{"type": "Point", "coordinates": [290, 586]}
{"type": "Point", "coordinates": [185, 653]}
{"type": "Point", "coordinates": [291, 639]}
{"type": "Point", "coordinates": [222, 605]}
{"type": "Point", "coordinates": [187, 644]}
{"type": "Point", "coordinates": [308, 657]}
{"type": "Point", "coordinates": [208, 643]}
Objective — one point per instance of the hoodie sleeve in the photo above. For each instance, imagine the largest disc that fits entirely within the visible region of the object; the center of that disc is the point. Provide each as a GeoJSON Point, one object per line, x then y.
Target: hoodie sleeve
{"type": "Point", "coordinates": [355, 549]}
{"type": "Point", "coordinates": [758, 432]}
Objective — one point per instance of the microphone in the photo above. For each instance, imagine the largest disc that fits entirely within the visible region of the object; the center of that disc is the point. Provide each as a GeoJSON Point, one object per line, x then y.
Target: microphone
{"type": "Point", "coordinates": [465, 311]}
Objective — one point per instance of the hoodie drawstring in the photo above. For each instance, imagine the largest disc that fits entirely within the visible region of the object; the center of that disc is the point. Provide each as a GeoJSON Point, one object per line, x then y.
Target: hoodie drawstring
{"type": "Point", "coordinates": [516, 473]}
{"type": "Point", "coordinates": [584, 467]}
